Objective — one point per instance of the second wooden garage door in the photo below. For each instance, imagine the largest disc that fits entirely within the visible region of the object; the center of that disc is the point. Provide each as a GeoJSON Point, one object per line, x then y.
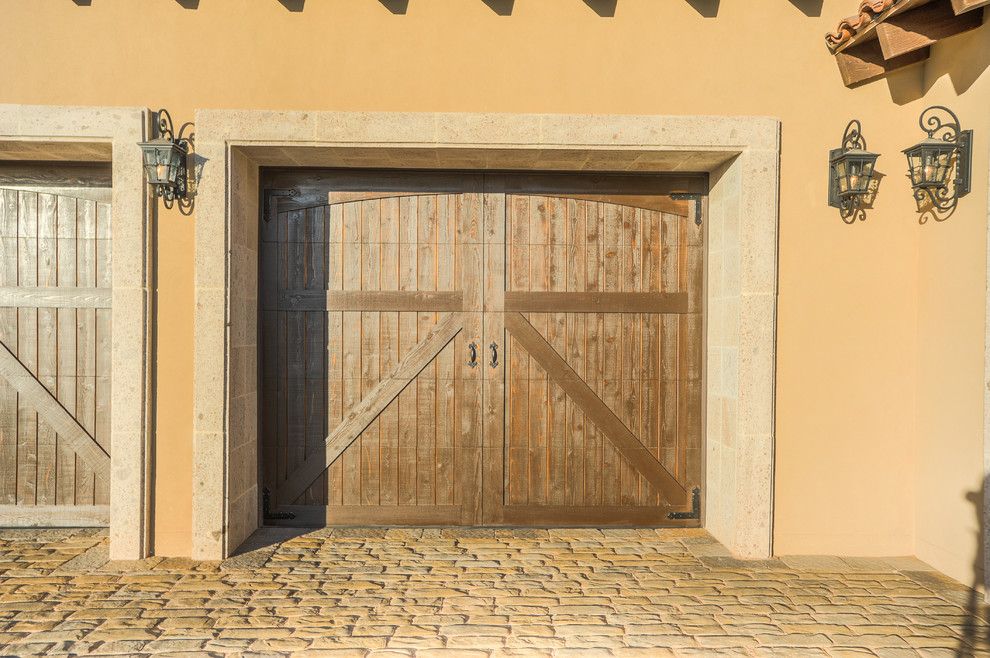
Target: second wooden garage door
{"type": "Point", "coordinates": [459, 349]}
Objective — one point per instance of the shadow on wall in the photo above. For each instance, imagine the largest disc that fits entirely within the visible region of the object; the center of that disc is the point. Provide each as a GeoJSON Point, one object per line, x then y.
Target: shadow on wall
{"type": "Point", "coordinates": [810, 8]}
{"type": "Point", "coordinates": [604, 8]}
{"type": "Point", "coordinates": [188, 4]}
{"type": "Point", "coordinates": [977, 610]}
{"type": "Point", "coordinates": [970, 58]}
{"type": "Point", "coordinates": [500, 7]}
{"type": "Point", "coordinates": [396, 6]}
{"type": "Point", "coordinates": [293, 5]}
{"type": "Point", "coordinates": [707, 8]}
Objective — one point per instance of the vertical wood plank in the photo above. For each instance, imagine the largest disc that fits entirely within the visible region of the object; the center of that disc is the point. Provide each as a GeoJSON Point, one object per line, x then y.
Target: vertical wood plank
{"type": "Point", "coordinates": [335, 346]}
{"type": "Point", "coordinates": [27, 347]}
{"type": "Point", "coordinates": [497, 383]}
{"type": "Point", "coordinates": [446, 215]}
{"type": "Point", "coordinates": [8, 335]}
{"type": "Point", "coordinates": [351, 338]}
{"type": "Point", "coordinates": [389, 418]}
{"type": "Point", "coordinates": [518, 376]}
{"type": "Point", "coordinates": [102, 398]}
{"type": "Point", "coordinates": [575, 333]}
{"type": "Point", "coordinates": [594, 364]}
{"type": "Point", "coordinates": [86, 343]}
{"type": "Point", "coordinates": [47, 346]}
{"type": "Point", "coordinates": [407, 409]}
{"type": "Point", "coordinates": [370, 441]}
{"type": "Point", "coordinates": [426, 382]}
{"type": "Point", "coordinates": [538, 445]}
{"type": "Point", "coordinates": [612, 340]}
{"type": "Point", "coordinates": [65, 492]}
{"type": "Point", "coordinates": [557, 473]}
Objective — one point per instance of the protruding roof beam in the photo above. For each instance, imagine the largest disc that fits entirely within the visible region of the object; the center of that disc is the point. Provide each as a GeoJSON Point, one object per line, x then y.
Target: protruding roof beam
{"type": "Point", "coordinates": [922, 27]}
{"type": "Point", "coordinates": [865, 62]}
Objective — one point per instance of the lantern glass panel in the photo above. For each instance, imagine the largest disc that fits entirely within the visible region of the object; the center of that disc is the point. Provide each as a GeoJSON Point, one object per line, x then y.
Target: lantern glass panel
{"type": "Point", "coordinates": [930, 163]}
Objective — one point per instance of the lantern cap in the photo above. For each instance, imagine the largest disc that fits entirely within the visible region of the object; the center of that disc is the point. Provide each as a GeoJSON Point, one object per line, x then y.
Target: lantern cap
{"type": "Point", "coordinates": [932, 144]}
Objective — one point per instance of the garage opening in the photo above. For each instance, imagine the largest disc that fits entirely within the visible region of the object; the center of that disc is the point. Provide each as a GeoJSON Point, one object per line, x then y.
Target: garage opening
{"type": "Point", "coordinates": [458, 348]}
{"type": "Point", "coordinates": [55, 342]}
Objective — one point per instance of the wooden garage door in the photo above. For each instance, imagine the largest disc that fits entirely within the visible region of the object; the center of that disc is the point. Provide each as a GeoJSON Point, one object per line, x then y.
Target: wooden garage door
{"type": "Point", "coordinates": [54, 358]}
{"type": "Point", "coordinates": [467, 349]}
{"type": "Point", "coordinates": [602, 293]}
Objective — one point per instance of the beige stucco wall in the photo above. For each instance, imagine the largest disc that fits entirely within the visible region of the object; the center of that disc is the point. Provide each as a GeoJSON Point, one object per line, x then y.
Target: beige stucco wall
{"type": "Point", "coordinates": [880, 338]}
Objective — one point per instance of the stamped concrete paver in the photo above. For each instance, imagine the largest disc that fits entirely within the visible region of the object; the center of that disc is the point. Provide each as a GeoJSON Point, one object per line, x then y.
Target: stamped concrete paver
{"type": "Point", "coordinates": [475, 592]}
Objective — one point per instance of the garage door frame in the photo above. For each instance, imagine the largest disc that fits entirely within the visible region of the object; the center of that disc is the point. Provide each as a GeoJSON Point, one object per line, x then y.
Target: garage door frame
{"type": "Point", "coordinates": [741, 154]}
{"type": "Point", "coordinates": [100, 134]}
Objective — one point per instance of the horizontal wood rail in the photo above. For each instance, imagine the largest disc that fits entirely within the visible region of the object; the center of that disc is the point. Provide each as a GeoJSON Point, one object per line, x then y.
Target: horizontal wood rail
{"type": "Point", "coordinates": [22, 296]}
{"type": "Point", "coordinates": [596, 302]}
{"type": "Point", "coordinates": [366, 301]}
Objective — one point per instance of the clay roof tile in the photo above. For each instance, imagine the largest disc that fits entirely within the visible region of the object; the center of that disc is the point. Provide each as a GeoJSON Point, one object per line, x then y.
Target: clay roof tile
{"type": "Point", "coordinates": [849, 27]}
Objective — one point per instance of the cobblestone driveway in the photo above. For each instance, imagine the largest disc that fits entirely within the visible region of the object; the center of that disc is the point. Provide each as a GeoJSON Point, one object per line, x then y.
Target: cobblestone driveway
{"type": "Point", "coordinates": [360, 592]}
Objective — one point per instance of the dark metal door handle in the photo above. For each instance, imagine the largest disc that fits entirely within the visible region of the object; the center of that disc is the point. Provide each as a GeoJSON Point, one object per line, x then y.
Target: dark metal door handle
{"type": "Point", "coordinates": [494, 348]}
{"type": "Point", "coordinates": [473, 358]}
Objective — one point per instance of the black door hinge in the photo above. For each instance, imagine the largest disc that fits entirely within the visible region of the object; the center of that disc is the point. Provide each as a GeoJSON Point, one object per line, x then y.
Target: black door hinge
{"type": "Point", "coordinates": [687, 196]}
{"type": "Point", "coordinates": [266, 508]}
{"type": "Point", "coordinates": [271, 205]}
{"type": "Point", "coordinates": [695, 512]}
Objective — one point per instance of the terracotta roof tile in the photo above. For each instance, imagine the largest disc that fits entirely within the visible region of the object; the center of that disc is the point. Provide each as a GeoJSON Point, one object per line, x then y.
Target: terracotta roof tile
{"type": "Point", "coordinates": [849, 27]}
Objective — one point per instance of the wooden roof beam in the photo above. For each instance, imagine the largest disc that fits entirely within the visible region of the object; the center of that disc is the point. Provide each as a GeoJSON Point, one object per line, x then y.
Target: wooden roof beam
{"type": "Point", "coordinates": [963, 6]}
{"type": "Point", "coordinates": [922, 27]}
{"type": "Point", "coordinates": [865, 62]}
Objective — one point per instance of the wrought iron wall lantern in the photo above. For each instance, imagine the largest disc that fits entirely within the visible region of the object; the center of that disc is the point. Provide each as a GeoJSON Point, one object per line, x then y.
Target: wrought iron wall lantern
{"type": "Point", "coordinates": [931, 162]}
{"type": "Point", "coordinates": [850, 173]}
{"type": "Point", "coordinates": [165, 162]}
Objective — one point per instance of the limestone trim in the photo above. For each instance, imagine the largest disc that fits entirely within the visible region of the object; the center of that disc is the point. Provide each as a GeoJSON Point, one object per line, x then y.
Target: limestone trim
{"type": "Point", "coordinates": [62, 133]}
{"type": "Point", "coordinates": [742, 155]}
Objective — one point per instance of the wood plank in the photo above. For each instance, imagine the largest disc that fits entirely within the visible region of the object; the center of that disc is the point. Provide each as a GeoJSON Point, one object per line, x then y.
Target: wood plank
{"type": "Point", "coordinates": [361, 415]}
{"type": "Point", "coordinates": [351, 328]}
{"type": "Point", "coordinates": [408, 278]}
{"type": "Point", "coordinates": [492, 273]}
{"type": "Point", "coordinates": [426, 383]}
{"type": "Point", "coordinates": [866, 63]}
{"type": "Point", "coordinates": [367, 301]}
{"type": "Point", "coordinates": [445, 413]}
{"type": "Point", "coordinates": [556, 334]}
{"type": "Point", "coordinates": [574, 429]}
{"type": "Point", "coordinates": [596, 302]}
{"type": "Point", "coordinates": [21, 173]}
{"type": "Point", "coordinates": [315, 354]}
{"type": "Point", "coordinates": [38, 398]}
{"type": "Point", "coordinates": [592, 517]}
{"type": "Point", "coordinates": [67, 320]}
{"type": "Point", "coordinates": [335, 347]}
{"type": "Point", "coordinates": [963, 6]}
{"type": "Point", "coordinates": [8, 335]}
{"type": "Point", "coordinates": [48, 297]}
{"type": "Point", "coordinates": [518, 372]}
{"type": "Point", "coordinates": [923, 27]}
{"type": "Point", "coordinates": [85, 410]}
{"type": "Point", "coordinates": [27, 347]}
{"type": "Point", "coordinates": [594, 348]}
{"type": "Point", "coordinates": [54, 516]}
{"type": "Point", "coordinates": [539, 232]}
{"type": "Point", "coordinates": [47, 346]}
{"type": "Point", "coordinates": [389, 419]}
{"type": "Point", "coordinates": [364, 515]}
{"type": "Point", "coordinates": [596, 410]}
{"type": "Point", "coordinates": [370, 440]}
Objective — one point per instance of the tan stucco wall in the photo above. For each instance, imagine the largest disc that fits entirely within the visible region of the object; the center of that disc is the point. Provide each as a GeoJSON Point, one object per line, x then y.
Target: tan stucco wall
{"type": "Point", "coordinates": [880, 339]}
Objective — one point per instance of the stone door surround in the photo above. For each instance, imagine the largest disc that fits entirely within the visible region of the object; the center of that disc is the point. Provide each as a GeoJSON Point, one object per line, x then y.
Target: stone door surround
{"type": "Point", "coordinates": [41, 132]}
{"type": "Point", "coordinates": [741, 154]}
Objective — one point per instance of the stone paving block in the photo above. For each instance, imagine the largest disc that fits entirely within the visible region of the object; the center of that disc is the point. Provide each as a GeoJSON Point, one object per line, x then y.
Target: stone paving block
{"type": "Point", "coordinates": [499, 592]}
